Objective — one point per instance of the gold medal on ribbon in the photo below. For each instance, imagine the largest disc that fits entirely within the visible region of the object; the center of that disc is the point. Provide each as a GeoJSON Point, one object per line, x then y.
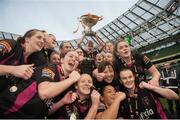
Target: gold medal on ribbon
{"type": "Point", "coordinates": [13, 88]}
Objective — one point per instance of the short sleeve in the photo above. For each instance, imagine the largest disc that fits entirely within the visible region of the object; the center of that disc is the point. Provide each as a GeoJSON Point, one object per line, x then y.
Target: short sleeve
{"type": "Point", "coordinates": [101, 108]}
{"type": "Point", "coordinates": [6, 47]}
{"type": "Point", "coordinates": [146, 62]}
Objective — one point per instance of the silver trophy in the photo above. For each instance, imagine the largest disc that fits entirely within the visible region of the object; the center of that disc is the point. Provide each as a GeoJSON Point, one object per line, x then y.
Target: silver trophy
{"type": "Point", "coordinates": [88, 21]}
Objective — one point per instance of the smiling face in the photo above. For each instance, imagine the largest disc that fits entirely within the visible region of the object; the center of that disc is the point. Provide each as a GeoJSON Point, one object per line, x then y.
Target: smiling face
{"type": "Point", "coordinates": [49, 41]}
{"type": "Point", "coordinates": [108, 95]}
{"type": "Point", "coordinates": [109, 47]}
{"type": "Point", "coordinates": [108, 57]}
{"type": "Point", "coordinates": [79, 51]}
{"type": "Point", "coordinates": [66, 48]}
{"type": "Point", "coordinates": [90, 47]}
{"type": "Point", "coordinates": [55, 58]}
{"type": "Point", "coordinates": [109, 74]}
{"type": "Point", "coordinates": [84, 85]}
{"type": "Point", "coordinates": [35, 42]}
{"type": "Point", "coordinates": [99, 57]}
{"type": "Point", "coordinates": [108, 70]}
{"type": "Point", "coordinates": [52, 41]}
{"type": "Point", "coordinates": [70, 61]}
{"type": "Point", "coordinates": [127, 79]}
{"type": "Point", "coordinates": [123, 49]}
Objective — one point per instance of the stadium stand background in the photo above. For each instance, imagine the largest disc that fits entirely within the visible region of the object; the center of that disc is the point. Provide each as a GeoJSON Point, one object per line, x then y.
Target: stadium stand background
{"type": "Point", "coordinates": [153, 25]}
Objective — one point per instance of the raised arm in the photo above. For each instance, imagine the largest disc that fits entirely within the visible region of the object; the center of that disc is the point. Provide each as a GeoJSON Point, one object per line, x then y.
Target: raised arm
{"type": "Point", "coordinates": [95, 98]}
{"type": "Point", "coordinates": [165, 92]}
{"type": "Point", "coordinates": [69, 98]}
{"type": "Point", "coordinates": [155, 76]}
{"type": "Point", "coordinates": [101, 43]}
{"type": "Point", "coordinates": [81, 40]}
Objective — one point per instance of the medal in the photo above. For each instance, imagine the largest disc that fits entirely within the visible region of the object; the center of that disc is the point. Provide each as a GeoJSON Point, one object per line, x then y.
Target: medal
{"type": "Point", "coordinates": [13, 88]}
{"type": "Point", "coordinates": [73, 117]}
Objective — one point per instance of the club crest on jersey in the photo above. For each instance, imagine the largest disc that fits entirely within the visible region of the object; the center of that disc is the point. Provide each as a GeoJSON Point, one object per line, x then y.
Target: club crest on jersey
{"type": "Point", "coordinates": [47, 72]}
{"type": "Point", "coordinates": [5, 47]}
{"type": "Point", "coordinates": [145, 101]}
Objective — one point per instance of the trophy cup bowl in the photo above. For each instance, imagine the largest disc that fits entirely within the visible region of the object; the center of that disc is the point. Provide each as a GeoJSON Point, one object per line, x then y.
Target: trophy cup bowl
{"type": "Point", "coordinates": [88, 21]}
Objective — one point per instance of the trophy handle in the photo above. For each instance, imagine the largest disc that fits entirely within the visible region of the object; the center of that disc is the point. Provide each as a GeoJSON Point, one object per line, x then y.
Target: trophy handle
{"type": "Point", "coordinates": [77, 27]}
{"type": "Point", "coordinates": [100, 18]}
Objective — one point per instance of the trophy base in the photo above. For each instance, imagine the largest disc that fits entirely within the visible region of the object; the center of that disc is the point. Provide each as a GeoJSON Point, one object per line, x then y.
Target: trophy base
{"type": "Point", "coordinates": [89, 33]}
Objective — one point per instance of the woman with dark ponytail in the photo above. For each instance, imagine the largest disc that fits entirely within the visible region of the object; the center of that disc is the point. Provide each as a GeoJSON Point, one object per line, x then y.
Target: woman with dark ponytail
{"type": "Point", "coordinates": [17, 84]}
{"type": "Point", "coordinates": [14, 56]}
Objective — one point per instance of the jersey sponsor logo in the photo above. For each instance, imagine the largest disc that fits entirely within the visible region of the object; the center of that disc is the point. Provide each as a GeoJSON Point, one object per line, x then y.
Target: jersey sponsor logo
{"type": "Point", "coordinates": [47, 72]}
{"type": "Point", "coordinates": [5, 47]}
{"type": "Point", "coordinates": [146, 114]}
